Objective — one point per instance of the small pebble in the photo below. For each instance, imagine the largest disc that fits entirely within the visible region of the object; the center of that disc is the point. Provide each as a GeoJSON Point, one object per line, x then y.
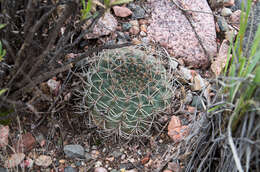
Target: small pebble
{"type": "Point", "coordinates": [222, 24]}
{"type": "Point", "coordinates": [117, 153]}
{"type": "Point", "coordinates": [126, 166]}
{"type": "Point", "coordinates": [111, 159]}
{"type": "Point", "coordinates": [188, 98]}
{"type": "Point", "coordinates": [132, 160]}
{"type": "Point", "coordinates": [145, 40]}
{"type": "Point", "coordinates": [138, 12]}
{"type": "Point", "coordinates": [114, 170]}
{"type": "Point", "coordinates": [78, 163]}
{"type": "Point", "coordinates": [100, 169]}
{"type": "Point", "coordinates": [226, 12]}
{"type": "Point", "coordinates": [185, 73]}
{"type": "Point", "coordinates": [143, 28]}
{"type": "Point", "coordinates": [62, 161]}
{"type": "Point", "coordinates": [88, 157]}
{"type": "Point", "coordinates": [123, 157]}
{"type": "Point", "coordinates": [167, 170]}
{"type": "Point", "coordinates": [235, 18]}
{"type": "Point", "coordinates": [98, 164]}
{"type": "Point", "coordinates": [143, 34]}
{"type": "Point", "coordinates": [95, 154]}
{"type": "Point", "coordinates": [134, 23]}
{"type": "Point", "coordinates": [196, 102]}
{"type": "Point", "coordinates": [43, 161]}
{"type": "Point", "coordinates": [132, 170]}
{"type": "Point", "coordinates": [126, 26]}
{"type": "Point", "coordinates": [143, 22]}
{"type": "Point", "coordinates": [74, 151]}
{"type": "Point", "coordinates": [229, 3]}
{"type": "Point", "coordinates": [134, 30]}
{"type": "Point", "coordinates": [70, 169]}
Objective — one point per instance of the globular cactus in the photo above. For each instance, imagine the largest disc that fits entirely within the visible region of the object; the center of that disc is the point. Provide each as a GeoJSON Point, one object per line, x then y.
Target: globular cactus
{"type": "Point", "coordinates": [126, 90]}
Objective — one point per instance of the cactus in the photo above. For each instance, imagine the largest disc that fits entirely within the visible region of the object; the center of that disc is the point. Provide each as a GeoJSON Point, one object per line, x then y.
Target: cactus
{"type": "Point", "coordinates": [126, 90]}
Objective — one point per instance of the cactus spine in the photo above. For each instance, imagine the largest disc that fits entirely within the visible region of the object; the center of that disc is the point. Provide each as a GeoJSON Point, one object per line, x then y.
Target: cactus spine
{"type": "Point", "coordinates": [126, 89]}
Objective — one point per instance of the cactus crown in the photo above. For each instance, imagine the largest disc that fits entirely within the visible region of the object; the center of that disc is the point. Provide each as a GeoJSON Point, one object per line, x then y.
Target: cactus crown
{"type": "Point", "coordinates": [126, 89]}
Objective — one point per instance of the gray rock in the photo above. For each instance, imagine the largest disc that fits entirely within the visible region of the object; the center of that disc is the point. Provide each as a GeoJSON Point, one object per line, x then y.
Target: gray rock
{"type": "Point", "coordinates": [74, 151]}
{"type": "Point", "coordinates": [138, 12]}
{"type": "Point", "coordinates": [225, 12]}
{"type": "Point", "coordinates": [126, 26]}
{"type": "Point", "coordinates": [3, 169]}
{"type": "Point", "coordinates": [173, 64]}
{"type": "Point", "coordinates": [188, 98]}
{"type": "Point", "coordinates": [94, 147]}
{"type": "Point", "coordinates": [121, 35]}
{"type": "Point", "coordinates": [88, 157]}
{"type": "Point", "coordinates": [116, 153]}
{"type": "Point", "coordinates": [196, 102]}
{"type": "Point", "coordinates": [186, 73]}
{"type": "Point", "coordinates": [127, 166]}
{"type": "Point", "coordinates": [114, 170]}
{"type": "Point", "coordinates": [70, 169]}
{"type": "Point", "coordinates": [222, 23]}
{"type": "Point", "coordinates": [110, 42]}
{"type": "Point", "coordinates": [78, 163]}
{"type": "Point", "coordinates": [46, 170]}
{"type": "Point", "coordinates": [122, 38]}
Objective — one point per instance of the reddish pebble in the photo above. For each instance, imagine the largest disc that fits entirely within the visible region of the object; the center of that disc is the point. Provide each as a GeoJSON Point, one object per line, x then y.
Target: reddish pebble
{"type": "Point", "coordinates": [26, 143]}
{"type": "Point", "coordinates": [145, 160]}
{"type": "Point", "coordinates": [122, 11]}
{"type": "Point", "coordinates": [229, 3]}
{"type": "Point", "coordinates": [175, 122]}
{"type": "Point", "coordinates": [167, 170]}
{"type": "Point", "coordinates": [143, 22]}
{"type": "Point", "coordinates": [177, 134]}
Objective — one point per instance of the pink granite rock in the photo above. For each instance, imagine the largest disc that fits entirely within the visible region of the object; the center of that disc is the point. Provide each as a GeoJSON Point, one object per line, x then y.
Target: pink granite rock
{"type": "Point", "coordinates": [106, 25]}
{"type": "Point", "coordinates": [171, 29]}
{"type": "Point", "coordinates": [122, 11]}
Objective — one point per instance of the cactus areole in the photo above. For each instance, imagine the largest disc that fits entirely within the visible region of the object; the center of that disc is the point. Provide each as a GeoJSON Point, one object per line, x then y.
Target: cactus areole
{"type": "Point", "coordinates": [126, 90]}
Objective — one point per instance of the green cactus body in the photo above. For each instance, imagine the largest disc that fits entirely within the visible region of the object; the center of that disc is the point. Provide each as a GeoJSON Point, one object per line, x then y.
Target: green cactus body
{"type": "Point", "coordinates": [126, 89]}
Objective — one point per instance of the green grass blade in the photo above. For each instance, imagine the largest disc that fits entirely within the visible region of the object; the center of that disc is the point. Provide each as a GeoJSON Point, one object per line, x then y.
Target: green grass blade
{"type": "Point", "coordinates": [256, 42]}
{"type": "Point", "coordinates": [243, 24]}
{"type": "Point", "coordinates": [215, 108]}
{"type": "Point", "coordinates": [83, 4]}
{"type": "Point", "coordinates": [228, 55]}
{"type": "Point", "coordinates": [2, 91]}
{"type": "Point", "coordinates": [119, 2]}
{"type": "Point", "coordinates": [232, 73]}
{"type": "Point", "coordinates": [257, 76]}
{"type": "Point", "coordinates": [242, 63]}
{"type": "Point", "coordinates": [2, 52]}
{"type": "Point", "coordinates": [253, 63]}
{"type": "Point", "coordinates": [86, 9]}
{"type": "Point", "coordinates": [107, 3]}
{"type": "Point", "coordinates": [2, 26]}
